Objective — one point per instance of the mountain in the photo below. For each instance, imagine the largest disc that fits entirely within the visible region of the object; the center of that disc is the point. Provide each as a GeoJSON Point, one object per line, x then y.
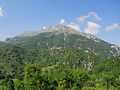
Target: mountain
{"type": "Point", "coordinates": [60, 36]}
{"type": "Point", "coordinates": [59, 29]}
{"type": "Point", "coordinates": [59, 57]}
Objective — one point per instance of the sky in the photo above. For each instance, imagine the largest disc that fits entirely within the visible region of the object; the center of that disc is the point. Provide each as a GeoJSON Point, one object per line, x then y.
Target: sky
{"type": "Point", "coordinates": [98, 17]}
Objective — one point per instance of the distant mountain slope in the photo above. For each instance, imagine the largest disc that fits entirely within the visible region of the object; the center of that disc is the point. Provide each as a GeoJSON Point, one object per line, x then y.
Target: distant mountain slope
{"type": "Point", "coordinates": [57, 30]}
{"type": "Point", "coordinates": [57, 37]}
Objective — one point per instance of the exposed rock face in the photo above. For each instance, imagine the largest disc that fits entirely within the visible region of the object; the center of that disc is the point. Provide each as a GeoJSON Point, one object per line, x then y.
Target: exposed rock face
{"type": "Point", "coordinates": [29, 33]}
{"type": "Point", "coordinates": [115, 47]}
{"type": "Point", "coordinates": [89, 65]}
{"type": "Point", "coordinates": [58, 30]}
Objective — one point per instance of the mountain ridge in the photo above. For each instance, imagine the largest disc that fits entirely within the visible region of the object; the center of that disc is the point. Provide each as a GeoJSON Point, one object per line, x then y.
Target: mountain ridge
{"type": "Point", "coordinates": [57, 30]}
{"type": "Point", "coordinates": [60, 36]}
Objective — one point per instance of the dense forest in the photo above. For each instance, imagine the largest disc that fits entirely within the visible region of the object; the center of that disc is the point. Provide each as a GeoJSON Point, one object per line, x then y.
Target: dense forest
{"type": "Point", "coordinates": [57, 69]}
{"type": "Point", "coordinates": [59, 58]}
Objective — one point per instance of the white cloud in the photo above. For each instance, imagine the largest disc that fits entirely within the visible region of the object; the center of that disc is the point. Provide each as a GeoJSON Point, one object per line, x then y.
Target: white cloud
{"type": "Point", "coordinates": [1, 11]}
{"type": "Point", "coordinates": [95, 15]}
{"type": "Point", "coordinates": [113, 26]}
{"type": "Point", "coordinates": [90, 14]}
{"type": "Point", "coordinates": [62, 21]}
{"type": "Point", "coordinates": [92, 28]}
{"type": "Point", "coordinates": [82, 18]}
{"type": "Point", "coordinates": [74, 26]}
{"type": "Point", "coordinates": [43, 27]}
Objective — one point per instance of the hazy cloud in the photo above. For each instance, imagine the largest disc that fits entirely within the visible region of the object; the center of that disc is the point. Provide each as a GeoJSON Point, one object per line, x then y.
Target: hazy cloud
{"type": "Point", "coordinates": [113, 26]}
{"type": "Point", "coordinates": [43, 27]}
{"type": "Point", "coordinates": [92, 28]}
{"type": "Point", "coordinates": [74, 26]}
{"type": "Point", "coordinates": [1, 11]}
{"type": "Point", "coordinates": [62, 21]}
{"type": "Point", "coordinates": [90, 14]}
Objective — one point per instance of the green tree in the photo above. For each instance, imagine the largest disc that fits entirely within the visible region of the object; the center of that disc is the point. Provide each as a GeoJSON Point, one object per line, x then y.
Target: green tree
{"type": "Point", "coordinates": [10, 85]}
{"type": "Point", "coordinates": [80, 77]}
{"type": "Point", "coordinates": [19, 85]}
{"type": "Point", "coordinates": [108, 80]}
{"type": "Point", "coordinates": [32, 76]}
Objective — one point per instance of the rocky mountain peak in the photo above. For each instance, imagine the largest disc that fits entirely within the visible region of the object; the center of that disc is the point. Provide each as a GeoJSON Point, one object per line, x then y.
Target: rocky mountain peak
{"type": "Point", "coordinates": [58, 29]}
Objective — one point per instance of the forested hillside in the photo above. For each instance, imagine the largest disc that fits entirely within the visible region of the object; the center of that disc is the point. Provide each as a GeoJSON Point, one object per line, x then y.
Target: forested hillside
{"type": "Point", "coordinates": [59, 69]}
{"type": "Point", "coordinates": [59, 58]}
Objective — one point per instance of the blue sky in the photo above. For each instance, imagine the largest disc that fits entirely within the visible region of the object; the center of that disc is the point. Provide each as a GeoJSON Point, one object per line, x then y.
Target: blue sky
{"type": "Point", "coordinates": [98, 17]}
